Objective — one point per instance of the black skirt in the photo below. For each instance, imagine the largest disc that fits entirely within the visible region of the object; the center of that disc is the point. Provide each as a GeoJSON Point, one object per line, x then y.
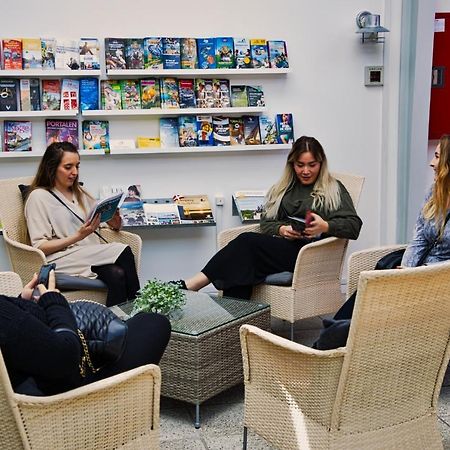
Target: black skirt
{"type": "Point", "coordinates": [248, 259]}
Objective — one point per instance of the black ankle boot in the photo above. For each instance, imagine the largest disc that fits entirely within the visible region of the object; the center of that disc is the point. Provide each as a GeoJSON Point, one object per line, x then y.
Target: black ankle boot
{"type": "Point", "coordinates": [180, 283]}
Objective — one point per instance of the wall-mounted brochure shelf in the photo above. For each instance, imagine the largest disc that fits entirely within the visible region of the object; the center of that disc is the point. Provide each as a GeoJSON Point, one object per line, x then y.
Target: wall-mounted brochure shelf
{"type": "Point", "coordinates": [46, 114]}
{"type": "Point", "coordinates": [39, 73]}
{"type": "Point", "coordinates": [159, 112]}
{"type": "Point", "coordinates": [178, 225]}
{"type": "Point", "coordinates": [193, 73]}
{"type": "Point", "coordinates": [36, 154]}
{"type": "Point", "coordinates": [163, 151]}
{"type": "Point", "coordinates": [201, 150]}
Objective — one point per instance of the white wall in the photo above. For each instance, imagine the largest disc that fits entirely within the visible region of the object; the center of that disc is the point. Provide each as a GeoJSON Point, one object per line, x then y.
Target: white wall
{"type": "Point", "coordinates": [325, 91]}
{"type": "Point", "coordinates": [442, 5]}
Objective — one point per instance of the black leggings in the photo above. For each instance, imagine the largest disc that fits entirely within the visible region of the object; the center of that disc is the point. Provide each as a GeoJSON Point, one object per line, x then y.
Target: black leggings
{"type": "Point", "coordinates": [121, 278]}
{"type": "Point", "coordinates": [147, 338]}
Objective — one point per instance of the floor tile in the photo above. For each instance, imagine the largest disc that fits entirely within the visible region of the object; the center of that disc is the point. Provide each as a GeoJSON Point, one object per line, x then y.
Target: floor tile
{"type": "Point", "coordinates": [234, 442]}
{"type": "Point", "coordinates": [445, 433]}
{"type": "Point", "coordinates": [183, 444]}
{"type": "Point", "coordinates": [220, 420]}
{"type": "Point", "coordinates": [177, 424]}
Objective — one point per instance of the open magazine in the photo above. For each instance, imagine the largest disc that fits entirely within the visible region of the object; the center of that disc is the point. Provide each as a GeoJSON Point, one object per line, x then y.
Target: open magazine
{"type": "Point", "coordinates": [106, 207]}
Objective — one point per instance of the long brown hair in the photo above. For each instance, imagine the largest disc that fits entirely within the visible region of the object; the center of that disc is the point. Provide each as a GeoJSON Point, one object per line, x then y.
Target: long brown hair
{"type": "Point", "coordinates": [326, 189]}
{"type": "Point", "coordinates": [45, 177]}
{"type": "Point", "coordinates": [437, 205]}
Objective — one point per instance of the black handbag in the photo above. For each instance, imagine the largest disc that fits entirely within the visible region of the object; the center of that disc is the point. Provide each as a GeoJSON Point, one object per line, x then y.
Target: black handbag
{"type": "Point", "coordinates": [104, 333]}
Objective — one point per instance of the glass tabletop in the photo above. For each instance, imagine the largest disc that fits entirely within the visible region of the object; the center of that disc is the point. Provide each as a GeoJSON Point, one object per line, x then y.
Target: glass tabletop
{"type": "Point", "coordinates": [202, 312]}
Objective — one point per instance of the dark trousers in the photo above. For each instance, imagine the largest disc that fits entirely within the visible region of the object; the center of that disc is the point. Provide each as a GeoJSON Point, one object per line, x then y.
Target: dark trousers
{"type": "Point", "coordinates": [248, 259]}
{"type": "Point", "coordinates": [121, 278]}
{"type": "Point", "coordinates": [147, 338]}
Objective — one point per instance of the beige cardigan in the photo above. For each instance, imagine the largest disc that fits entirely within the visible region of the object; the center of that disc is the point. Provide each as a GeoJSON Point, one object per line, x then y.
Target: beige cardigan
{"type": "Point", "coordinates": [48, 219]}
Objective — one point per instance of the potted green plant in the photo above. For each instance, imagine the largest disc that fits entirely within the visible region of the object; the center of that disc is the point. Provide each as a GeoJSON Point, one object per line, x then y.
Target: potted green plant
{"type": "Point", "coordinates": [159, 296]}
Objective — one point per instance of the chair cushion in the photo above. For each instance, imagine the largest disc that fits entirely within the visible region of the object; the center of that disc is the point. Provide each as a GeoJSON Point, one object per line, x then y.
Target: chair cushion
{"type": "Point", "coordinates": [279, 279]}
{"type": "Point", "coordinates": [66, 282]}
{"type": "Point", "coordinates": [24, 189]}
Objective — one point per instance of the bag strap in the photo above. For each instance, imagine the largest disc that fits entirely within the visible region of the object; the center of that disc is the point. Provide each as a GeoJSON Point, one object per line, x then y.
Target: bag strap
{"type": "Point", "coordinates": [76, 215]}
{"type": "Point", "coordinates": [427, 252]}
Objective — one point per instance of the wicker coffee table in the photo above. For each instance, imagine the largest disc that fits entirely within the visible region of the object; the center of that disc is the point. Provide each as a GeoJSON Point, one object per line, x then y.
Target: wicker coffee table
{"type": "Point", "coordinates": [203, 357]}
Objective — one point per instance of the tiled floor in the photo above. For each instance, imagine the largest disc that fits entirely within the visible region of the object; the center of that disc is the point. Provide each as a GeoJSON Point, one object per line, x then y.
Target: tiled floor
{"type": "Point", "coordinates": [221, 416]}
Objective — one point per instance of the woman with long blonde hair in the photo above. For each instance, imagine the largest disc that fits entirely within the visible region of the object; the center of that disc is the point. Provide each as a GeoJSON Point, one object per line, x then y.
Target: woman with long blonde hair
{"type": "Point", "coordinates": [431, 241]}
{"type": "Point", "coordinates": [306, 190]}
{"type": "Point", "coordinates": [429, 245]}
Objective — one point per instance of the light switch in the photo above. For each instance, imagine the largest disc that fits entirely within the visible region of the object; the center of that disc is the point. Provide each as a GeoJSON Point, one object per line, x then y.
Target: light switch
{"type": "Point", "coordinates": [374, 76]}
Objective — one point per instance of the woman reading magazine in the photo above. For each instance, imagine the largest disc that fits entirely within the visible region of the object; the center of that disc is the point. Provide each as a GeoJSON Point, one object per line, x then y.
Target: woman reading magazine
{"type": "Point", "coordinates": [55, 195]}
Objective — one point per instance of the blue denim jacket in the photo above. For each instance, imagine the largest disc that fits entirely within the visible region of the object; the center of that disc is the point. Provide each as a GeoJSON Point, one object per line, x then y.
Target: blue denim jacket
{"type": "Point", "coordinates": [426, 237]}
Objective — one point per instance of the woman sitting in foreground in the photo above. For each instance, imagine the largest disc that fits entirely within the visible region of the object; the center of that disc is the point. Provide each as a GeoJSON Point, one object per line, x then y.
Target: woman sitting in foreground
{"type": "Point", "coordinates": [42, 350]}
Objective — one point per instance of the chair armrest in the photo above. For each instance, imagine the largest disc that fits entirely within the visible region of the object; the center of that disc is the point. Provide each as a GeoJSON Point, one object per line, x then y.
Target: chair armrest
{"type": "Point", "coordinates": [25, 259]}
{"type": "Point", "coordinates": [292, 372]}
{"type": "Point", "coordinates": [127, 238]}
{"type": "Point", "coordinates": [319, 261]}
{"type": "Point", "coordinates": [228, 235]}
{"type": "Point", "coordinates": [104, 414]}
{"type": "Point", "coordinates": [366, 260]}
{"type": "Point", "coordinates": [10, 284]}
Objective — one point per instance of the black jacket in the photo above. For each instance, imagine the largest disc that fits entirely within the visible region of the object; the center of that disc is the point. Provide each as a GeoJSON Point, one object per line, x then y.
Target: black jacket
{"type": "Point", "coordinates": [39, 360]}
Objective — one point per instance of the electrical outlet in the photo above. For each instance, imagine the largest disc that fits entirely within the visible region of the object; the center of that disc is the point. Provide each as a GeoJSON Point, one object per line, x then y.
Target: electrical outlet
{"type": "Point", "coordinates": [220, 200]}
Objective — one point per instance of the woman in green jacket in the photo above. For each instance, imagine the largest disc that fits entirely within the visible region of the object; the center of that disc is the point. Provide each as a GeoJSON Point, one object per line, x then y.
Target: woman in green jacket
{"type": "Point", "coordinates": [306, 185]}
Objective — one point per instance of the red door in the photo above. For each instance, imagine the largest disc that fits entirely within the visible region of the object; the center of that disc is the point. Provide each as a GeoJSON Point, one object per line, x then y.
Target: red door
{"type": "Point", "coordinates": [440, 84]}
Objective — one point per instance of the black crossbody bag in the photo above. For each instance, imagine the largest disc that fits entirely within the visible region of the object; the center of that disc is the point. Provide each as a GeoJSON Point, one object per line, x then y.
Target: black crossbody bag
{"type": "Point", "coordinates": [77, 216]}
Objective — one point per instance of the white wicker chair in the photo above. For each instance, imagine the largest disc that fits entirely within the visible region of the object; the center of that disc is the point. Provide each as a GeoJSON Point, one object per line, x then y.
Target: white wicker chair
{"type": "Point", "coordinates": [118, 412]}
{"type": "Point", "coordinates": [379, 392]}
{"type": "Point", "coordinates": [315, 285]}
{"type": "Point", "coordinates": [25, 259]}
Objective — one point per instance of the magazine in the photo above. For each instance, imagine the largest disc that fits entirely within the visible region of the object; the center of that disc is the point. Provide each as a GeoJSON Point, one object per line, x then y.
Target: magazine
{"type": "Point", "coordinates": [194, 209]}
{"type": "Point", "coordinates": [249, 205]}
{"type": "Point", "coordinates": [162, 211]}
{"type": "Point", "coordinates": [106, 208]}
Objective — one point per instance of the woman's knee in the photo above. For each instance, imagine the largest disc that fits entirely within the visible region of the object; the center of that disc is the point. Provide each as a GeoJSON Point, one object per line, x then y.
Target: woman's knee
{"type": "Point", "coordinates": [153, 323]}
{"type": "Point", "coordinates": [246, 238]}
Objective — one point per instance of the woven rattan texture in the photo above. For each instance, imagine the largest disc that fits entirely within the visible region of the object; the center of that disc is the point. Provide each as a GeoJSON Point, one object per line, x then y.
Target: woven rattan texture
{"type": "Point", "coordinates": [195, 368]}
{"type": "Point", "coordinates": [365, 260]}
{"type": "Point", "coordinates": [316, 285]}
{"type": "Point", "coordinates": [380, 392]}
{"type": "Point", "coordinates": [117, 412]}
{"type": "Point", "coordinates": [26, 260]}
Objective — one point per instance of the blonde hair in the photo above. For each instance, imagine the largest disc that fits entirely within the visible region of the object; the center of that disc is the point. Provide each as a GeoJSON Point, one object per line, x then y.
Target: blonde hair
{"type": "Point", "coordinates": [437, 205]}
{"type": "Point", "coordinates": [326, 188]}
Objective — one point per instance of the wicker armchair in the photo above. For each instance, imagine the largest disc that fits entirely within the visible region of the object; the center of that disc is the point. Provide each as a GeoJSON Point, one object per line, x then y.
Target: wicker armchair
{"type": "Point", "coordinates": [119, 412]}
{"type": "Point", "coordinates": [379, 392]}
{"type": "Point", "coordinates": [25, 259]}
{"type": "Point", "coordinates": [315, 285]}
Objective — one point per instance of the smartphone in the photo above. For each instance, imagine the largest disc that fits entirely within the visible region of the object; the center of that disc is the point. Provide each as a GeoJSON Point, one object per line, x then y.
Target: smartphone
{"type": "Point", "coordinates": [297, 223]}
{"type": "Point", "coordinates": [43, 276]}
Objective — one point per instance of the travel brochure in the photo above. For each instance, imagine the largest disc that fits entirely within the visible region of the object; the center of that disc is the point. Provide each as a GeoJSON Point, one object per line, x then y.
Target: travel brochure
{"type": "Point", "coordinates": [249, 205]}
